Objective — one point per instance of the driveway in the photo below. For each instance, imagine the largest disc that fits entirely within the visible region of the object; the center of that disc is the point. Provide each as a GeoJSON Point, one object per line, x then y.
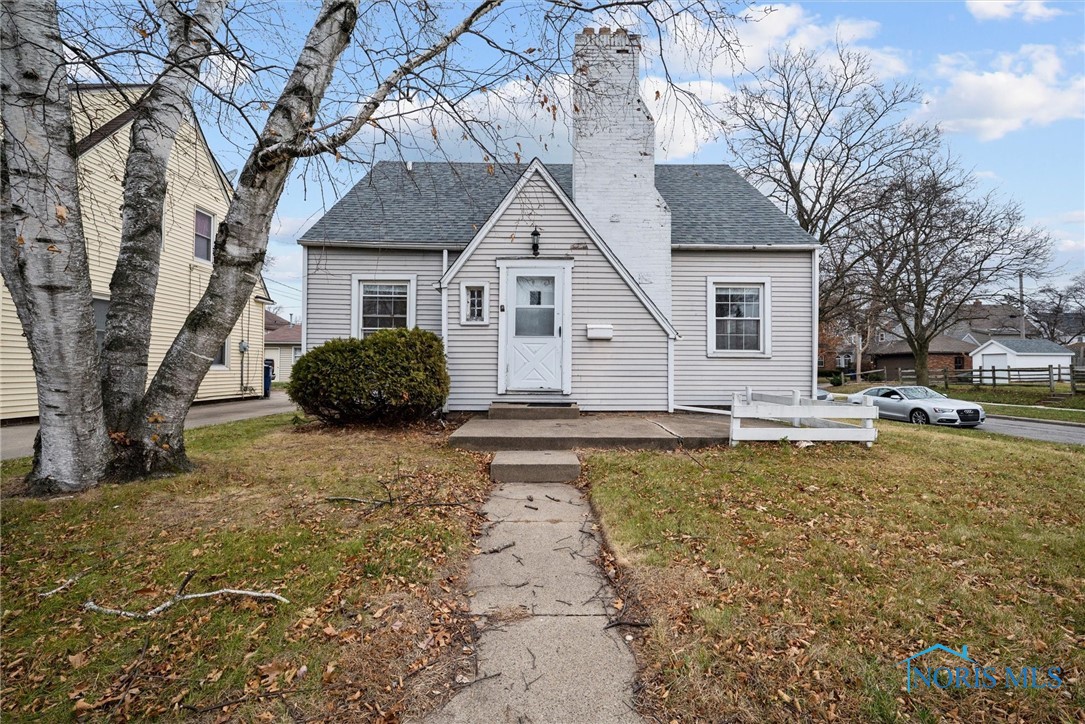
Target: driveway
{"type": "Point", "coordinates": [1035, 430]}
{"type": "Point", "coordinates": [17, 441]}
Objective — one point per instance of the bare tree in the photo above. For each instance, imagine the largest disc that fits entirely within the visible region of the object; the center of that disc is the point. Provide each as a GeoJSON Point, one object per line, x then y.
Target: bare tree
{"type": "Point", "coordinates": [932, 245]}
{"type": "Point", "coordinates": [815, 132]}
{"type": "Point", "coordinates": [403, 76]}
{"type": "Point", "coordinates": [1059, 312]}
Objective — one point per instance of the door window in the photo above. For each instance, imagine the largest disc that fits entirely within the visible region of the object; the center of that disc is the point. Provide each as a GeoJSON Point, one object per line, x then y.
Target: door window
{"type": "Point", "coordinates": [535, 313]}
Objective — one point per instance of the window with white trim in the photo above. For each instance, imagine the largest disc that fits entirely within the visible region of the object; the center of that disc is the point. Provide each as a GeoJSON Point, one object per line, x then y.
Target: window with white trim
{"type": "Point", "coordinates": [297, 354]}
{"type": "Point", "coordinates": [203, 244]}
{"type": "Point", "coordinates": [220, 356]}
{"type": "Point", "coordinates": [475, 303]}
{"type": "Point", "coordinates": [738, 318]}
{"type": "Point", "coordinates": [384, 305]}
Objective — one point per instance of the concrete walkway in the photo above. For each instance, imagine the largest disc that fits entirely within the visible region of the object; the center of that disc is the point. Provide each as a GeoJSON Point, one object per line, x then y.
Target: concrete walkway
{"type": "Point", "coordinates": [17, 441]}
{"type": "Point", "coordinates": [544, 653]}
{"type": "Point", "coordinates": [612, 430]}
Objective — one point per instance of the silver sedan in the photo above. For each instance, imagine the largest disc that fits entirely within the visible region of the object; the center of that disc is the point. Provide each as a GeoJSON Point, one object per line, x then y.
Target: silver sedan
{"type": "Point", "coordinates": [921, 405]}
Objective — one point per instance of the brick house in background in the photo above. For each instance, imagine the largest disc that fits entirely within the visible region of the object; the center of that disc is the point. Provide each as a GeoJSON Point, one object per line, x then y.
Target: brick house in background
{"type": "Point", "coordinates": [946, 353]}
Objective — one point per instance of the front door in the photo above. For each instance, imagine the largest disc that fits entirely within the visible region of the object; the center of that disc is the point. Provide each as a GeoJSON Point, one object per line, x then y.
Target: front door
{"type": "Point", "coordinates": [534, 300]}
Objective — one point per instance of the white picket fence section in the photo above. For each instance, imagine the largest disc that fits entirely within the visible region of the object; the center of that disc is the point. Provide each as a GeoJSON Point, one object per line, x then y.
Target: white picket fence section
{"type": "Point", "coordinates": [812, 420]}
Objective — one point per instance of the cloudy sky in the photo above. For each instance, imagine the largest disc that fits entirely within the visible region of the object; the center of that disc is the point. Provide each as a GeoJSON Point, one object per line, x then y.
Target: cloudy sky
{"type": "Point", "coordinates": [1005, 79]}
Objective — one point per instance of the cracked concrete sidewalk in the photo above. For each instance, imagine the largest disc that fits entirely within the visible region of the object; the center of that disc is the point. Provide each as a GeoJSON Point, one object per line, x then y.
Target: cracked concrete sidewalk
{"type": "Point", "coordinates": [543, 654]}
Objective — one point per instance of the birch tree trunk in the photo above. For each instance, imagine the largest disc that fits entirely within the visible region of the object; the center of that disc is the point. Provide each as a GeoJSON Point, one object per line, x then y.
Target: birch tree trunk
{"type": "Point", "coordinates": [156, 435]}
{"type": "Point", "coordinates": [43, 252]}
{"type": "Point", "coordinates": [158, 117]}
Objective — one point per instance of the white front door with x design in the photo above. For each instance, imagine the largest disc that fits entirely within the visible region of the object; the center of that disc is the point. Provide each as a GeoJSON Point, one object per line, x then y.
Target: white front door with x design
{"type": "Point", "coordinates": [534, 300]}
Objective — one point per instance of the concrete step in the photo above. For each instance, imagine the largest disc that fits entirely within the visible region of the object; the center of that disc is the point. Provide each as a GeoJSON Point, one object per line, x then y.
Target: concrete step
{"type": "Point", "coordinates": [535, 466]}
{"type": "Point", "coordinates": [534, 411]}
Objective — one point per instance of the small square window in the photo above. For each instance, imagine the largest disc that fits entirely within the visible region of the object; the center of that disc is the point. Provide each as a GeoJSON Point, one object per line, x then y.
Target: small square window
{"type": "Point", "coordinates": [203, 236]}
{"type": "Point", "coordinates": [474, 303]}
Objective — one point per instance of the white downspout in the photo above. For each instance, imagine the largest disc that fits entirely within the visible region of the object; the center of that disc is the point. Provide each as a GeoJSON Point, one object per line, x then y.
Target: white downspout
{"type": "Point", "coordinates": [304, 301]}
{"type": "Point", "coordinates": [444, 312]}
{"type": "Point", "coordinates": [815, 281]}
{"type": "Point", "coordinates": [670, 374]}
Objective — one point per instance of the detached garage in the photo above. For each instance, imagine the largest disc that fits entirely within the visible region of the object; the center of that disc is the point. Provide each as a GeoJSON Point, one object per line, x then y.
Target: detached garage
{"type": "Point", "coordinates": [282, 347]}
{"type": "Point", "coordinates": [1016, 354]}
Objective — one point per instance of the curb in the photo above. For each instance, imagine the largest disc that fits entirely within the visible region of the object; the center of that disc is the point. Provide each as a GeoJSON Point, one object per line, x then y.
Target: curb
{"type": "Point", "coordinates": [1064, 423]}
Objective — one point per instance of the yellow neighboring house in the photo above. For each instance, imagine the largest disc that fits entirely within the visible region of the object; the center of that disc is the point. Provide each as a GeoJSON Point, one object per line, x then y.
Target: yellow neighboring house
{"type": "Point", "coordinates": [197, 197]}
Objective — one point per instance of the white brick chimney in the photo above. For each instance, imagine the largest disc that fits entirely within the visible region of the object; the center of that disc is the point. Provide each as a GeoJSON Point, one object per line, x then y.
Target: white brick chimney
{"type": "Point", "coordinates": [614, 159]}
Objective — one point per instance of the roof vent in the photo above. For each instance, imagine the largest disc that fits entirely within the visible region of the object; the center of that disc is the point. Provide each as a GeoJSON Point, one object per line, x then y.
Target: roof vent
{"type": "Point", "coordinates": [410, 166]}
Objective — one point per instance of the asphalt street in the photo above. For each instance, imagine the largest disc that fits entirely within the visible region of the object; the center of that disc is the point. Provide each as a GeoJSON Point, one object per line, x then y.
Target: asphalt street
{"type": "Point", "coordinates": [17, 441]}
{"type": "Point", "coordinates": [1035, 430]}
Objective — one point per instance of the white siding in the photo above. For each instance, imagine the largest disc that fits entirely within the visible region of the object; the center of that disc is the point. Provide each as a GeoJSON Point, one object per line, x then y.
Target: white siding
{"type": "Point", "coordinates": [703, 380]}
{"type": "Point", "coordinates": [626, 373]}
{"type": "Point", "coordinates": [328, 286]}
{"type": "Point", "coordinates": [283, 355]}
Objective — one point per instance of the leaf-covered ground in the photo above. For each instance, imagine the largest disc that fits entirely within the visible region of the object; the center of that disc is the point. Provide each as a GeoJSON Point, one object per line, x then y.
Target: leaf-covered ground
{"type": "Point", "coordinates": [376, 614]}
{"type": "Point", "coordinates": [786, 583]}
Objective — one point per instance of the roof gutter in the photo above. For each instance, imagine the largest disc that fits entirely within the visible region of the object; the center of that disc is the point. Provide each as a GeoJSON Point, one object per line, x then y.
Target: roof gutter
{"type": "Point", "coordinates": [434, 247]}
{"type": "Point", "coordinates": [745, 247]}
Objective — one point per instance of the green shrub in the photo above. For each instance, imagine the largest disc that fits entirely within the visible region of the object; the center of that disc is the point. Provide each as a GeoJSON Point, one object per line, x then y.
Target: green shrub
{"type": "Point", "coordinates": [391, 376]}
{"type": "Point", "coordinates": [836, 379]}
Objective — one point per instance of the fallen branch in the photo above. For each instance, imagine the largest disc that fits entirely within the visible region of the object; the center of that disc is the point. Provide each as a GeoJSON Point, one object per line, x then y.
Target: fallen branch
{"type": "Point", "coordinates": [620, 622]}
{"type": "Point", "coordinates": [476, 681]}
{"type": "Point", "coordinates": [247, 698]}
{"type": "Point", "coordinates": [66, 585]}
{"type": "Point", "coordinates": [377, 504]}
{"type": "Point", "coordinates": [498, 549]}
{"type": "Point", "coordinates": [181, 596]}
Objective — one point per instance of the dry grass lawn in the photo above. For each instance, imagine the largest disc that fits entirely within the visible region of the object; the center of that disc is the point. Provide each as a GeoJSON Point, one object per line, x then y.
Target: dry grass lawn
{"type": "Point", "coordinates": [376, 614]}
{"type": "Point", "coordinates": [785, 584]}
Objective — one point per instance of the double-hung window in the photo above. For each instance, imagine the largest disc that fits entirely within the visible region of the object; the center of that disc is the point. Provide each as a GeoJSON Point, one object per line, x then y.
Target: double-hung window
{"type": "Point", "coordinates": [738, 317]}
{"type": "Point", "coordinates": [203, 245]}
{"type": "Point", "coordinates": [382, 303]}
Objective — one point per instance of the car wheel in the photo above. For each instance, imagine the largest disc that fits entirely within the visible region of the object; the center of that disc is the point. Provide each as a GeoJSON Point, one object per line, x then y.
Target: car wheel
{"type": "Point", "coordinates": [919, 417]}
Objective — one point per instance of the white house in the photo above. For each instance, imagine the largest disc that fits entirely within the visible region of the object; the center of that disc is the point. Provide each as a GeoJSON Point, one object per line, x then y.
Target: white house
{"type": "Point", "coordinates": [1017, 353]}
{"type": "Point", "coordinates": [611, 282]}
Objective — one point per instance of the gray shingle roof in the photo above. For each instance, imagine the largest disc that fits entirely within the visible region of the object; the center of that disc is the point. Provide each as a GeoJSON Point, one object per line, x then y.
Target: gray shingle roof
{"type": "Point", "coordinates": [444, 204]}
{"type": "Point", "coordinates": [1032, 346]}
{"type": "Point", "coordinates": [941, 344]}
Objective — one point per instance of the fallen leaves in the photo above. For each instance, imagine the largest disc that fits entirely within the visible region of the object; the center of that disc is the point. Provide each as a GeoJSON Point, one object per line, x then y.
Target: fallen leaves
{"type": "Point", "coordinates": [252, 517]}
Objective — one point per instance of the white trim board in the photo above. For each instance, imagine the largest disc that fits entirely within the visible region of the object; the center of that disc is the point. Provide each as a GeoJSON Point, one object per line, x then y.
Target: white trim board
{"type": "Point", "coordinates": [766, 316]}
{"type": "Point", "coordinates": [464, 321]}
{"type": "Point", "coordinates": [503, 266]}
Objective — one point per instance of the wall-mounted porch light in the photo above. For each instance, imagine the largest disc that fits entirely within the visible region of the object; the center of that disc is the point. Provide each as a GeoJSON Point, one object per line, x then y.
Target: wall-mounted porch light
{"type": "Point", "coordinates": [535, 241]}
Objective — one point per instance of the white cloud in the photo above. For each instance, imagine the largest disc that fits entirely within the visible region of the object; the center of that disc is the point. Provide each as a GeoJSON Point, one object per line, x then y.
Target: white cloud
{"type": "Point", "coordinates": [1028, 88]}
{"type": "Point", "coordinates": [793, 25]}
{"type": "Point", "coordinates": [224, 74]}
{"type": "Point", "coordinates": [1027, 10]}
